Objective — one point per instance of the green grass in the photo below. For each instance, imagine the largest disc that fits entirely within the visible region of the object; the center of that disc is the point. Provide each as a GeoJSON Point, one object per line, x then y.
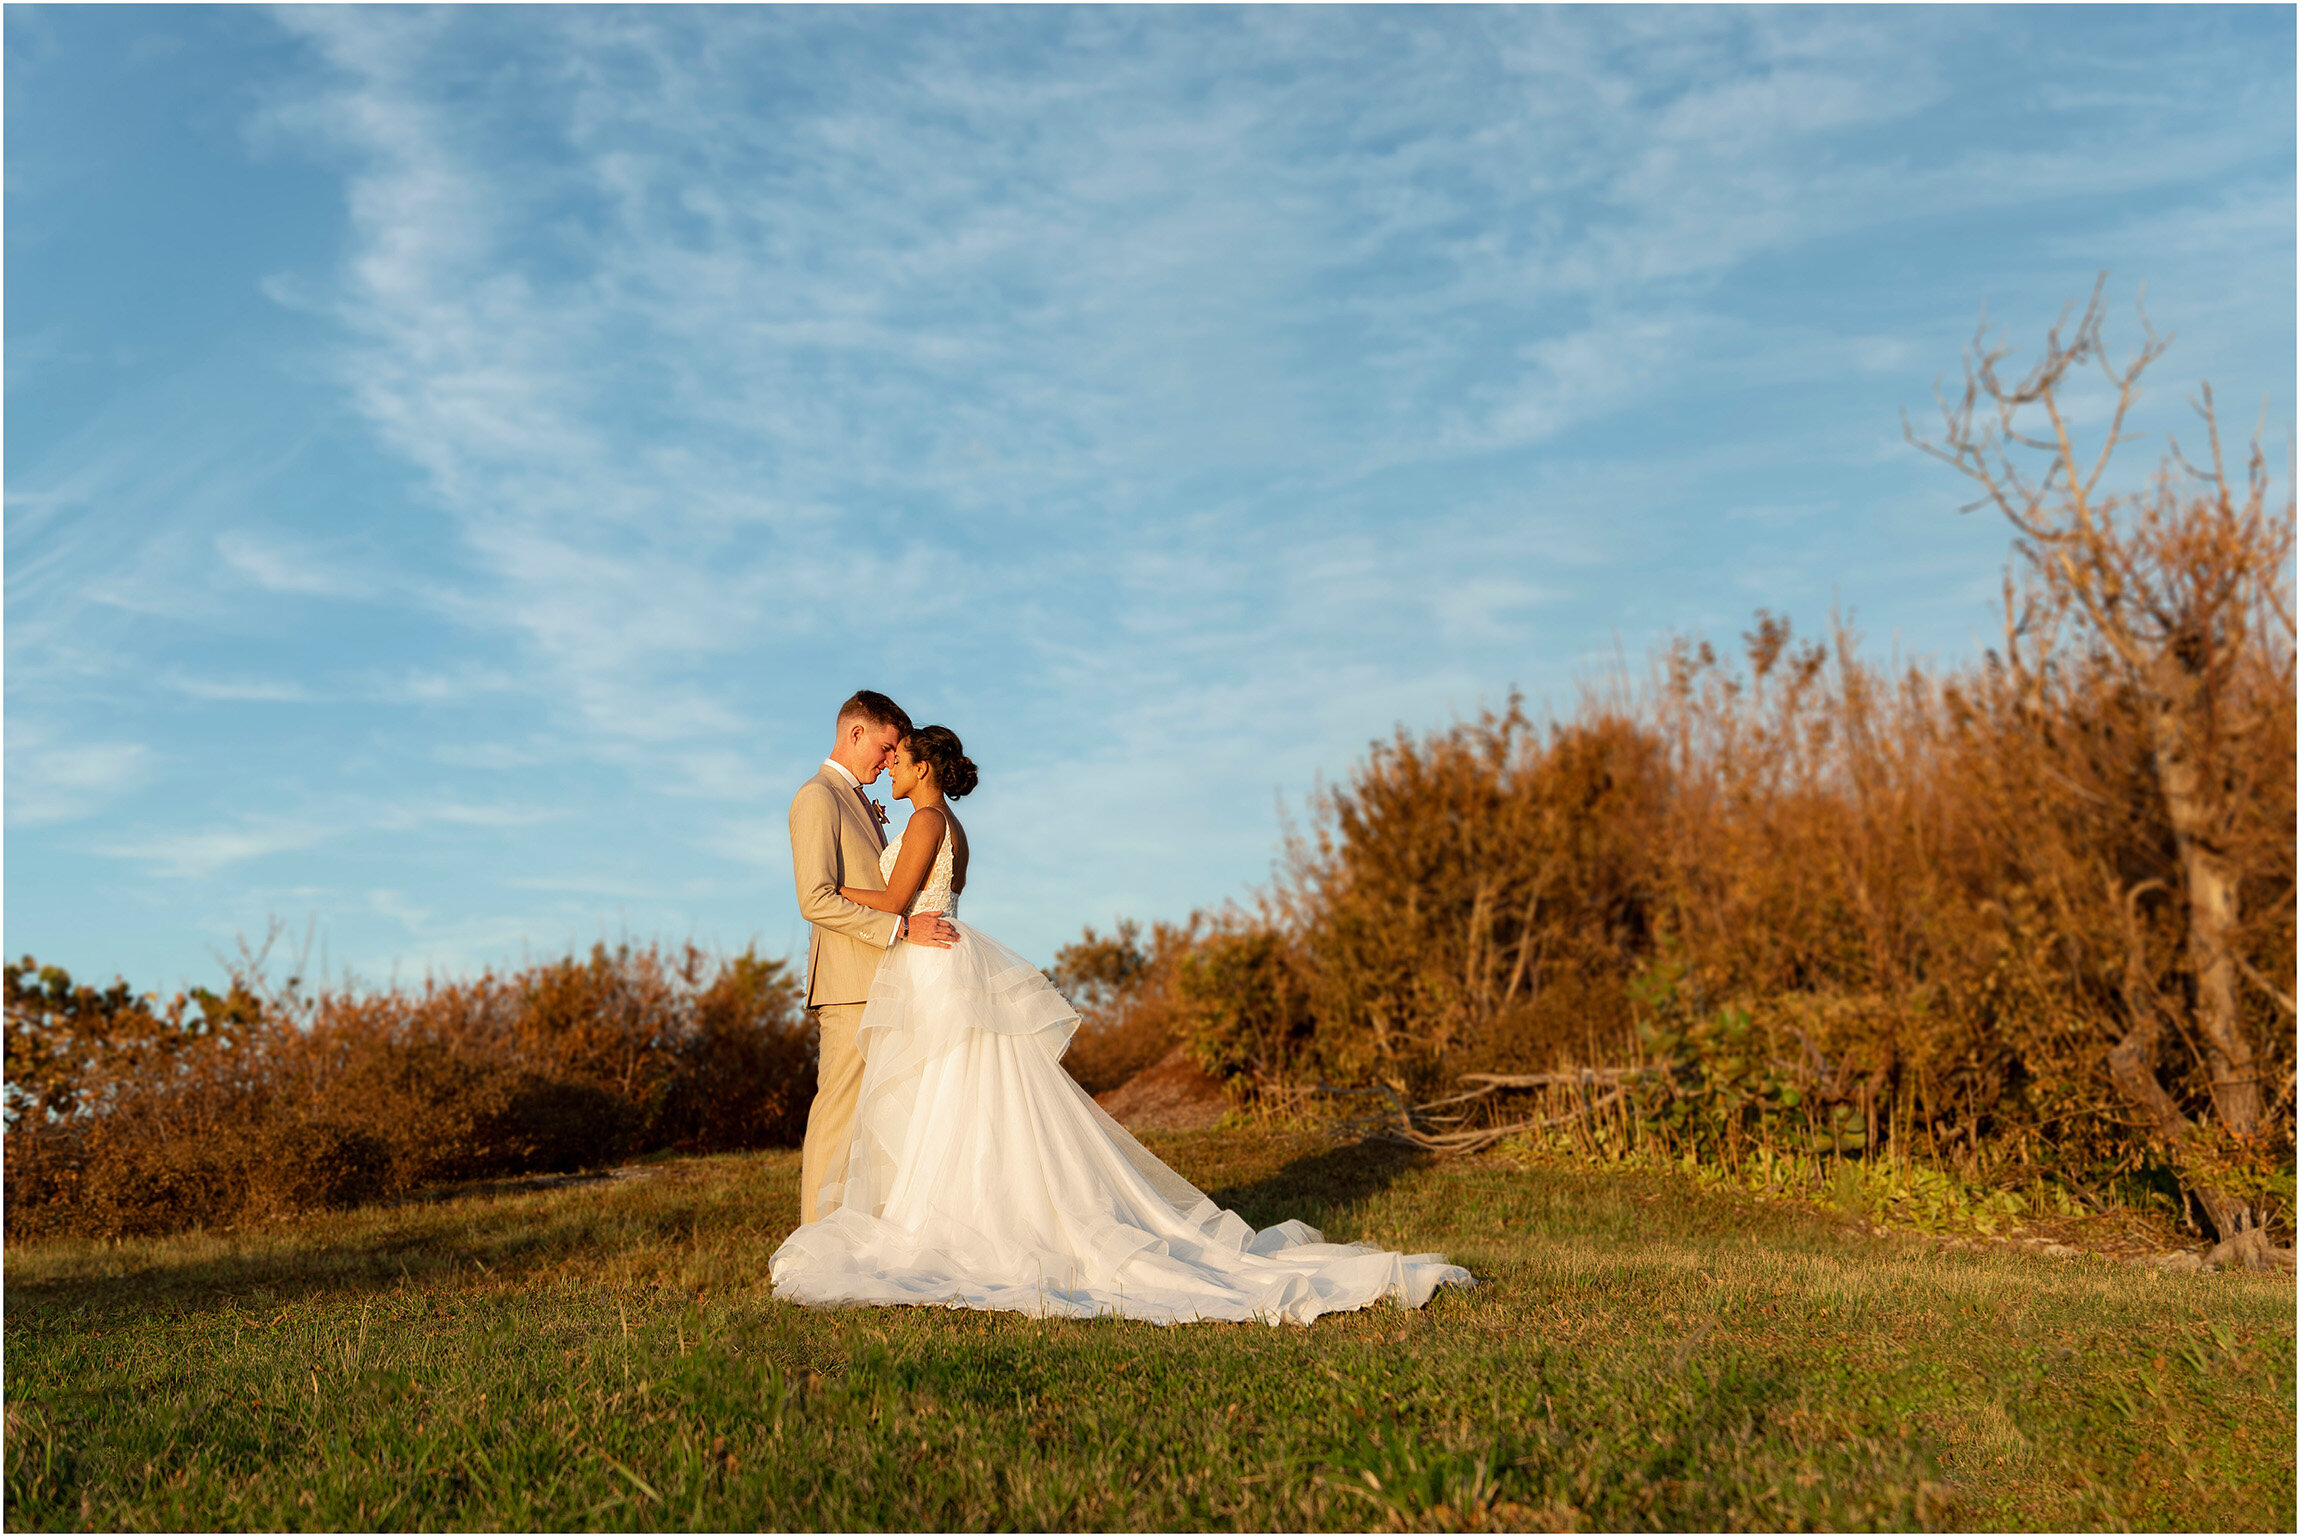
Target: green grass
{"type": "Point", "coordinates": [1641, 1354]}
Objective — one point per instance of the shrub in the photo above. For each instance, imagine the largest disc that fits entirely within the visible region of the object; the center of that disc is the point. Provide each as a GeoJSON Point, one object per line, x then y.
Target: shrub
{"type": "Point", "coordinates": [313, 1163]}
{"type": "Point", "coordinates": [1475, 899]}
{"type": "Point", "coordinates": [1242, 1007]}
{"type": "Point", "coordinates": [1125, 995]}
{"type": "Point", "coordinates": [129, 1117]}
{"type": "Point", "coordinates": [745, 1069]}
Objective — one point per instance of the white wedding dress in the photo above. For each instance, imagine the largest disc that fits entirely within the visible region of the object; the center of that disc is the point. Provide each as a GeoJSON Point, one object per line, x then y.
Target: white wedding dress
{"type": "Point", "coordinates": [981, 1175]}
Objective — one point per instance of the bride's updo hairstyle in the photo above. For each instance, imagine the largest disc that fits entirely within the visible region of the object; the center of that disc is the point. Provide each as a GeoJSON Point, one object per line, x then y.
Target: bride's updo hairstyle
{"type": "Point", "coordinates": [938, 748]}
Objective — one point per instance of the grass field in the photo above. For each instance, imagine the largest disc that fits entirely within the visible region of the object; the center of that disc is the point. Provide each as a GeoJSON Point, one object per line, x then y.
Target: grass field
{"type": "Point", "coordinates": [606, 1355]}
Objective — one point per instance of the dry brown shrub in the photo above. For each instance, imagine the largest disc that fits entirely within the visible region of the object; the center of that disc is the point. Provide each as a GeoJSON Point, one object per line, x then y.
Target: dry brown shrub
{"type": "Point", "coordinates": [259, 1102]}
{"type": "Point", "coordinates": [1954, 911]}
{"type": "Point", "coordinates": [1230, 987]}
{"type": "Point", "coordinates": [1124, 991]}
{"type": "Point", "coordinates": [746, 1064]}
{"type": "Point", "coordinates": [1474, 899]}
{"type": "Point", "coordinates": [1925, 894]}
{"type": "Point", "coordinates": [1243, 1008]}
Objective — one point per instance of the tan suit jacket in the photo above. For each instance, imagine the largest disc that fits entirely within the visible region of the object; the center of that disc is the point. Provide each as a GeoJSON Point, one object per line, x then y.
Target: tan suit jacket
{"type": "Point", "coordinates": [835, 842]}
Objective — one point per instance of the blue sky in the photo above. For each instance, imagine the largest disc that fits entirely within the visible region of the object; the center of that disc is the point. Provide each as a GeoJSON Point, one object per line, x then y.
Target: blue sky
{"type": "Point", "coordinates": [457, 460]}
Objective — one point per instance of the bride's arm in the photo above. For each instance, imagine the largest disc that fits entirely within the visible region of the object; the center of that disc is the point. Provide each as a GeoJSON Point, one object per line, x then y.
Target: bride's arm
{"type": "Point", "coordinates": [921, 841]}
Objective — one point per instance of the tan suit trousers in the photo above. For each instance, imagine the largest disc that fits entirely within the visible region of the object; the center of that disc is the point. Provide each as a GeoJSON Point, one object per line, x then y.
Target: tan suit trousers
{"type": "Point", "coordinates": [831, 1119]}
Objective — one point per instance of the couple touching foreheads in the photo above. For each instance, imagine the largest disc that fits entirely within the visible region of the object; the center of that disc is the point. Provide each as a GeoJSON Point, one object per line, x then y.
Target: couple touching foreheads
{"type": "Point", "coordinates": [949, 1157]}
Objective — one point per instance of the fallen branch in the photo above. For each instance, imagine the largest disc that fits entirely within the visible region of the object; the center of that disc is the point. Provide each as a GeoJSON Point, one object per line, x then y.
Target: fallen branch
{"type": "Point", "coordinates": [2283, 999]}
{"type": "Point", "coordinates": [1404, 1130]}
{"type": "Point", "coordinates": [1415, 1125]}
{"type": "Point", "coordinates": [1491, 1083]}
{"type": "Point", "coordinates": [1579, 1075]}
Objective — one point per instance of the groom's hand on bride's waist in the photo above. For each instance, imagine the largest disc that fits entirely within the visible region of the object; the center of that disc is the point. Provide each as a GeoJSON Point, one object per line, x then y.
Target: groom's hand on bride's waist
{"type": "Point", "coordinates": [932, 930]}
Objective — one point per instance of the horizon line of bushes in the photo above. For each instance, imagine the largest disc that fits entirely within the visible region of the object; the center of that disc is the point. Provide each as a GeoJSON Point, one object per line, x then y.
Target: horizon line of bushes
{"type": "Point", "coordinates": [128, 1116]}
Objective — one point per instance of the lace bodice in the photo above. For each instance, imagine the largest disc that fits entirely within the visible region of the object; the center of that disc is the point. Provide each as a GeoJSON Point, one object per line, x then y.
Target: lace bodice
{"type": "Point", "coordinates": [934, 894]}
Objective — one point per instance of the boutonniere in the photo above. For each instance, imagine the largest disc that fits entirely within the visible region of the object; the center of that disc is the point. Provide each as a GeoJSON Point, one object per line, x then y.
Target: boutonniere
{"type": "Point", "coordinates": [878, 813]}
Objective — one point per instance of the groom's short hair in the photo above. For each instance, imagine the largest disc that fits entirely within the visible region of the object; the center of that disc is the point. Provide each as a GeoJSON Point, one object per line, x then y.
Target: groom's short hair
{"type": "Point", "coordinates": [868, 704]}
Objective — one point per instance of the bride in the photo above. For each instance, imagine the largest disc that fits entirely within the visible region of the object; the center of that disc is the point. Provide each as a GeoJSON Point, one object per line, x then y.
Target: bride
{"type": "Point", "coordinates": [981, 1175]}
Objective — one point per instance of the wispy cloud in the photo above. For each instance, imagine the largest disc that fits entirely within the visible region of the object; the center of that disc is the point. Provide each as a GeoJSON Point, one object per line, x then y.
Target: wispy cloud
{"type": "Point", "coordinates": [201, 852]}
{"type": "Point", "coordinates": [493, 756]}
{"type": "Point", "coordinates": [277, 565]}
{"type": "Point", "coordinates": [53, 779]}
{"type": "Point", "coordinates": [986, 280]}
{"type": "Point", "coordinates": [335, 820]}
{"type": "Point", "coordinates": [1172, 400]}
{"type": "Point", "coordinates": [443, 685]}
{"type": "Point", "coordinates": [240, 690]}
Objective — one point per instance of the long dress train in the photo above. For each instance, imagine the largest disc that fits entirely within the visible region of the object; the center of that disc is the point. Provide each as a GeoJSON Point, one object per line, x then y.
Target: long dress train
{"type": "Point", "coordinates": [981, 1175]}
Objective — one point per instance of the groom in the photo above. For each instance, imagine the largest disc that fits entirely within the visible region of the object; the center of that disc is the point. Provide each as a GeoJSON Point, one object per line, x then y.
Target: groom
{"type": "Point", "coordinates": [835, 841]}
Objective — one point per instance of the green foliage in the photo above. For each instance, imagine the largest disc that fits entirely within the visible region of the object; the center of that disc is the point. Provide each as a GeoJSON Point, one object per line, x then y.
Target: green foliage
{"type": "Point", "coordinates": [2211, 1156]}
{"type": "Point", "coordinates": [1715, 1084]}
{"type": "Point", "coordinates": [1102, 971]}
{"type": "Point", "coordinates": [1243, 1013]}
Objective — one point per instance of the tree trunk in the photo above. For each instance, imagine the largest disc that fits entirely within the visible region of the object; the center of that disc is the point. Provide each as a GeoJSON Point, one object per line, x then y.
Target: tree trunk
{"type": "Point", "coordinates": [2181, 731]}
{"type": "Point", "coordinates": [2132, 1064]}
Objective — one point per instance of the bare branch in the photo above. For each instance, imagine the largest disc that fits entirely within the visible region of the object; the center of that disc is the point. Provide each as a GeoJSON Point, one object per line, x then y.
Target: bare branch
{"type": "Point", "coordinates": [2212, 427]}
{"type": "Point", "coordinates": [2282, 1000]}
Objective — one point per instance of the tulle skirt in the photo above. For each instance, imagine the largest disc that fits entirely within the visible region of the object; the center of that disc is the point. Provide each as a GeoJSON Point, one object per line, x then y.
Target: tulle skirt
{"type": "Point", "coordinates": [981, 1175]}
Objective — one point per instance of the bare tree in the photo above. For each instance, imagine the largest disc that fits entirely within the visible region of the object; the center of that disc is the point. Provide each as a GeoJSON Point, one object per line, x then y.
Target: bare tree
{"type": "Point", "coordinates": [2181, 582]}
